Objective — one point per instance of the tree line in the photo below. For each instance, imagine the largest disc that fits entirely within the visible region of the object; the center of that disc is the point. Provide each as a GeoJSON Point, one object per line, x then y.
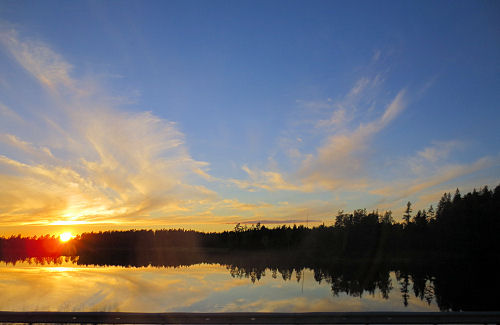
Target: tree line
{"type": "Point", "coordinates": [461, 225]}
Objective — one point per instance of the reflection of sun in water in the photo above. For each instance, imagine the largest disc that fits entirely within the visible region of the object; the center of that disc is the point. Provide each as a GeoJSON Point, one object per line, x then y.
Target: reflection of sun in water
{"type": "Point", "coordinates": [65, 236]}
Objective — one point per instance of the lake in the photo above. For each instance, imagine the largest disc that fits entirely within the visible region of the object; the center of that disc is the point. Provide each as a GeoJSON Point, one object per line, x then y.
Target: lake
{"type": "Point", "coordinates": [64, 285]}
{"type": "Point", "coordinates": [179, 280]}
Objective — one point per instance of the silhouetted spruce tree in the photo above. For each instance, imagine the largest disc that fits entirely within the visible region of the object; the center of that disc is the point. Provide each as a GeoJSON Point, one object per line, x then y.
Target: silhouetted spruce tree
{"type": "Point", "coordinates": [407, 215]}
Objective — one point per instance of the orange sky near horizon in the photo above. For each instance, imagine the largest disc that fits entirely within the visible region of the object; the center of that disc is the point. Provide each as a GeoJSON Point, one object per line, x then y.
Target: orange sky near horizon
{"type": "Point", "coordinates": [29, 231]}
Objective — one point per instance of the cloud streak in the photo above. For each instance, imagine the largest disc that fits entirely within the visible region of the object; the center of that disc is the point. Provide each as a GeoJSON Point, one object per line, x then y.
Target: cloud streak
{"type": "Point", "coordinates": [343, 161]}
{"type": "Point", "coordinates": [92, 163]}
{"type": "Point", "coordinates": [48, 67]}
{"type": "Point", "coordinates": [429, 177]}
{"type": "Point", "coordinates": [267, 180]}
{"type": "Point", "coordinates": [340, 160]}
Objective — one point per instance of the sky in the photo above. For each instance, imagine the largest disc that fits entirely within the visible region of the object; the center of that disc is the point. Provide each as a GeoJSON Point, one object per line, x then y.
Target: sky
{"type": "Point", "coordinates": [203, 114]}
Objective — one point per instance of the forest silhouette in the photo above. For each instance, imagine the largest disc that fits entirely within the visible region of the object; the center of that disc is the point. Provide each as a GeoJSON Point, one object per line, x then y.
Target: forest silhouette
{"type": "Point", "coordinates": [447, 254]}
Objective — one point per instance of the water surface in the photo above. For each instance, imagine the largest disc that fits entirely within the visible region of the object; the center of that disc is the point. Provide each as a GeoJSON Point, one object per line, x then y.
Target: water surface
{"type": "Point", "coordinates": [64, 285]}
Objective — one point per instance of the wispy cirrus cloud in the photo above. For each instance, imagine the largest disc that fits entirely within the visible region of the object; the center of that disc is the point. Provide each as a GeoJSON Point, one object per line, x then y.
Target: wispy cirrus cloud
{"type": "Point", "coordinates": [8, 113]}
{"type": "Point", "coordinates": [340, 160]}
{"type": "Point", "coordinates": [267, 180]}
{"type": "Point", "coordinates": [92, 163]}
{"type": "Point", "coordinates": [336, 114]}
{"type": "Point", "coordinates": [48, 67]}
{"type": "Point", "coordinates": [423, 177]}
{"type": "Point", "coordinates": [428, 169]}
{"type": "Point", "coordinates": [438, 150]}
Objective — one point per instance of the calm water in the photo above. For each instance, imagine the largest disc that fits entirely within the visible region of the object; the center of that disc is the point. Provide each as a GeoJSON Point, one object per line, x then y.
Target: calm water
{"type": "Point", "coordinates": [66, 286]}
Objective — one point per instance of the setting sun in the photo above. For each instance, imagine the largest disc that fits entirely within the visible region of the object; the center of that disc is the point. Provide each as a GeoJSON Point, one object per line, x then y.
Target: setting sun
{"type": "Point", "coordinates": [65, 236]}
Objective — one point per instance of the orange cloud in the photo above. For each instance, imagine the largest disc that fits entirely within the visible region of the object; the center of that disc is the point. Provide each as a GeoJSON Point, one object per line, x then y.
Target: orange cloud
{"type": "Point", "coordinates": [97, 164]}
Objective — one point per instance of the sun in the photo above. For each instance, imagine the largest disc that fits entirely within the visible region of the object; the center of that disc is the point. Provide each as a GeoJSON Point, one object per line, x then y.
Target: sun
{"type": "Point", "coordinates": [65, 236]}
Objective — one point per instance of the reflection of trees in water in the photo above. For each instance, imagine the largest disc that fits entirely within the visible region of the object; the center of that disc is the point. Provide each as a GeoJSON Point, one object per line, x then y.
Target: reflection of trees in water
{"type": "Point", "coordinates": [40, 260]}
{"type": "Point", "coordinates": [253, 274]}
{"type": "Point", "coordinates": [423, 286]}
{"type": "Point", "coordinates": [341, 281]}
{"type": "Point", "coordinates": [355, 279]}
{"type": "Point", "coordinates": [404, 281]}
{"type": "Point", "coordinates": [454, 285]}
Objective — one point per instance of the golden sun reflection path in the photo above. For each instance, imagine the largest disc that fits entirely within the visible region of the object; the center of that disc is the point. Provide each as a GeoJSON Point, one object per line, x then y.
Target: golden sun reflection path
{"type": "Point", "coordinates": [195, 288]}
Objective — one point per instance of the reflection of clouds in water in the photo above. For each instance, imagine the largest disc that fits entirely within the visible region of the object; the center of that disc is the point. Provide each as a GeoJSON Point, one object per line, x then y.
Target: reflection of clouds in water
{"type": "Point", "coordinates": [109, 289]}
{"type": "Point", "coordinates": [202, 288]}
{"type": "Point", "coordinates": [344, 303]}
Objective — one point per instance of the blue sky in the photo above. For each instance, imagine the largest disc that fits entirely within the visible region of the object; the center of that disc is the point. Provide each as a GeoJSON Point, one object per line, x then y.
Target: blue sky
{"type": "Point", "coordinates": [204, 113]}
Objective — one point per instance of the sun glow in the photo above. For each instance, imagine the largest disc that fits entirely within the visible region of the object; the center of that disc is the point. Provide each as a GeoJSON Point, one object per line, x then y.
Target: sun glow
{"type": "Point", "coordinates": [65, 236]}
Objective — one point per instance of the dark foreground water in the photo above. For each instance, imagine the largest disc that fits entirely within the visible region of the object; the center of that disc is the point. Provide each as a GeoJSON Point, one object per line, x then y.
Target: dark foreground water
{"type": "Point", "coordinates": [244, 283]}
